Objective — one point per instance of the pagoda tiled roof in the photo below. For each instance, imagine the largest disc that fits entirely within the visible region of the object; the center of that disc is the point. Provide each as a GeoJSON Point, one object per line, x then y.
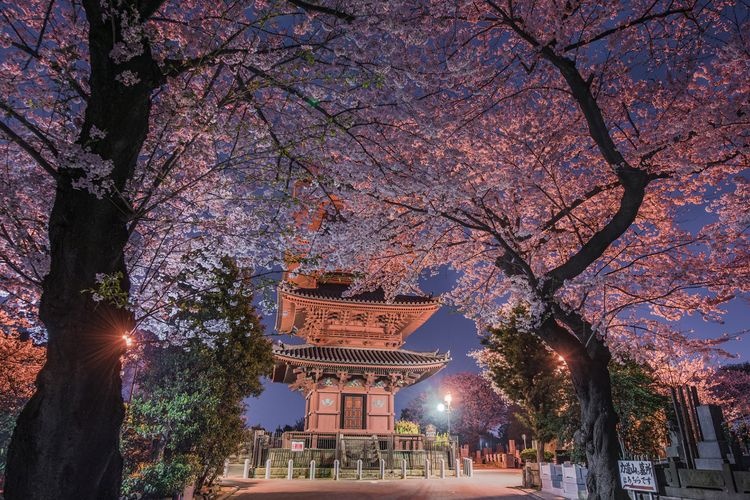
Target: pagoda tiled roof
{"type": "Point", "coordinates": [336, 291]}
{"type": "Point", "coordinates": [360, 356]}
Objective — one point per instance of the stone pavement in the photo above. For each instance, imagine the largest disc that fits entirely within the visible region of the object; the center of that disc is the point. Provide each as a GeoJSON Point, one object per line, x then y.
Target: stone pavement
{"type": "Point", "coordinates": [485, 484]}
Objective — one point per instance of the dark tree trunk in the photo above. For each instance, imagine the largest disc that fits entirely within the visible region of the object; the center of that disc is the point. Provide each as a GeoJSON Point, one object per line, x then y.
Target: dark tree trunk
{"type": "Point", "coordinates": [66, 441]}
{"type": "Point", "coordinates": [598, 432]}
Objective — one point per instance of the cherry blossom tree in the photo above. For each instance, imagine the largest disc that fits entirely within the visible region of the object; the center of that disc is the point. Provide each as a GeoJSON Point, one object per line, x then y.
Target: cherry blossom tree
{"type": "Point", "coordinates": [733, 385]}
{"type": "Point", "coordinates": [548, 152]}
{"type": "Point", "coordinates": [556, 157]}
{"type": "Point", "coordinates": [476, 408]}
{"type": "Point", "coordinates": [144, 141]}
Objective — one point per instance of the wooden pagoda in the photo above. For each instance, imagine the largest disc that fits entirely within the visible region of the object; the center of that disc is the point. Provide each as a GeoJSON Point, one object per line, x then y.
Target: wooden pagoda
{"type": "Point", "coordinates": [351, 365]}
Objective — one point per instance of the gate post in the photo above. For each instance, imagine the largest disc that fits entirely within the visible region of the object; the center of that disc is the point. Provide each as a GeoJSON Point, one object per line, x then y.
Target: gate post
{"type": "Point", "coordinates": [442, 468]}
{"type": "Point", "coordinates": [359, 468]}
{"type": "Point", "coordinates": [312, 469]}
{"type": "Point", "coordinates": [382, 469]}
{"type": "Point", "coordinates": [427, 468]}
{"type": "Point", "coordinates": [458, 468]}
{"type": "Point", "coordinates": [246, 469]}
{"type": "Point", "coordinates": [268, 469]}
{"type": "Point", "coordinates": [290, 469]}
{"type": "Point", "coordinates": [336, 469]}
{"type": "Point", "coordinates": [226, 468]}
{"type": "Point", "coordinates": [403, 469]}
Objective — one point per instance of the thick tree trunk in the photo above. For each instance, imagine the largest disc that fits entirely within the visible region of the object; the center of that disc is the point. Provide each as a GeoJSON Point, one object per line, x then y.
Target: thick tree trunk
{"type": "Point", "coordinates": [598, 432]}
{"type": "Point", "coordinates": [66, 441]}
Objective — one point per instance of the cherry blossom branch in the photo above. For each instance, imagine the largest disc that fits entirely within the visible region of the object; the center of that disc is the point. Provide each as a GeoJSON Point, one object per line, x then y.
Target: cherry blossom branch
{"type": "Point", "coordinates": [575, 204]}
{"type": "Point", "coordinates": [36, 155]}
{"type": "Point", "coordinates": [633, 180]}
{"type": "Point", "coordinates": [33, 128]}
{"type": "Point", "coordinates": [323, 9]}
{"type": "Point", "coordinates": [622, 27]}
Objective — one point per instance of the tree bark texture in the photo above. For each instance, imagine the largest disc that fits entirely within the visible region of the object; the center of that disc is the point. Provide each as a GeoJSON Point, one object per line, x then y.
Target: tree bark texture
{"type": "Point", "coordinates": [597, 436]}
{"type": "Point", "coordinates": [66, 441]}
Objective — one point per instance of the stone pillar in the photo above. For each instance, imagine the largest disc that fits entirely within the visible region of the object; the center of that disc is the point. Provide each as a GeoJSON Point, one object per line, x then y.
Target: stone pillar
{"type": "Point", "coordinates": [713, 449]}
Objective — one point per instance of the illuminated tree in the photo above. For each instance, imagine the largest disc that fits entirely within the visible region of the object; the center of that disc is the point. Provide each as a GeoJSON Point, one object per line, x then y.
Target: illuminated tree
{"type": "Point", "coordinates": [552, 158]}
{"type": "Point", "coordinates": [135, 133]}
{"type": "Point", "coordinates": [531, 375]}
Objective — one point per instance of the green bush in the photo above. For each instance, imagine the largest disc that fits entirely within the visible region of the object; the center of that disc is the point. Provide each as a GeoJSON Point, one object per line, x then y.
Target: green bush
{"type": "Point", "coordinates": [442, 438]}
{"type": "Point", "coordinates": [529, 455]}
{"type": "Point", "coordinates": [407, 427]}
{"type": "Point", "coordinates": [159, 479]}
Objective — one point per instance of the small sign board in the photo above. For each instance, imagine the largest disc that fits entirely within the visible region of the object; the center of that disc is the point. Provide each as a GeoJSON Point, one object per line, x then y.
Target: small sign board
{"type": "Point", "coordinates": [298, 445]}
{"type": "Point", "coordinates": [637, 475]}
{"type": "Point", "coordinates": [430, 431]}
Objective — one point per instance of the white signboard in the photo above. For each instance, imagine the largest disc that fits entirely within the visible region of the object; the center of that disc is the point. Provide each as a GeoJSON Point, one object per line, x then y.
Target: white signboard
{"type": "Point", "coordinates": [637, 475]}
{"type": "Point", "coordinates": [298, 446]}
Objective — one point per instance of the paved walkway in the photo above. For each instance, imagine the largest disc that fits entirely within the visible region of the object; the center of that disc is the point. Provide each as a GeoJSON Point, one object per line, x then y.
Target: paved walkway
{"type": "Point", "coordinates": [485, 484]}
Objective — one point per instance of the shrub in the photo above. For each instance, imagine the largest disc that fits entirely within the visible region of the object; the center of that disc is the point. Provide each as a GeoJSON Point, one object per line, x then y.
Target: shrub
{"type": "Point", "coordinates": [442, 438]}
{"type": "Point", "coordinates": [407, 427]}
{"type": "Point", "coordinates": [529, 455]}
{"type": "Point", "coordinates": [159, 479]}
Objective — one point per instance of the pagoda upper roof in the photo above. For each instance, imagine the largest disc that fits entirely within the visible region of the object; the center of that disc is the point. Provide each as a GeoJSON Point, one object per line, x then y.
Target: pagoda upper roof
{"type": "Point", "coordinates": [336, 291]}
{"type": "Point", "coordinates": [322, 314]}
{"type": "Point", "coordinates": [360, 356]}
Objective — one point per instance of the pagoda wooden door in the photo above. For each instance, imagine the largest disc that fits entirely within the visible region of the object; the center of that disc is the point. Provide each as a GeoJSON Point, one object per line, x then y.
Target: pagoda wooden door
{"type": "Point", "coordinates": [353, 414]}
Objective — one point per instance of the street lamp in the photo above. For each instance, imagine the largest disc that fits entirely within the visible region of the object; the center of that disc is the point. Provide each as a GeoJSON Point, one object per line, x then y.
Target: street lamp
{"type": "Point", "coordinates": [447, 409]}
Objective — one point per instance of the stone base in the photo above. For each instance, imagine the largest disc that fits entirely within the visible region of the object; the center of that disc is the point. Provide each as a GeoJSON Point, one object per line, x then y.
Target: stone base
{"type": "Point", "coordinates": [712, 449]}
{"type": "Point", "coordinates": [710, 463]}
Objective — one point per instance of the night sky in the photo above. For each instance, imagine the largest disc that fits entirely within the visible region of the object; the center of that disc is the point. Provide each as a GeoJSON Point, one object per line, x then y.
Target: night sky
{"type": "Point", "coordinates": [449, 330]}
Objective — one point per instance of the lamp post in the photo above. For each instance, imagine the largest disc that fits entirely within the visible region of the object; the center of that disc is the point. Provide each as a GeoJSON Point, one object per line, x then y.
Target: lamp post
{"type": "Point", "coordinates": [447, 409]}
{"type": "Point", "coordinates": [129, 342]}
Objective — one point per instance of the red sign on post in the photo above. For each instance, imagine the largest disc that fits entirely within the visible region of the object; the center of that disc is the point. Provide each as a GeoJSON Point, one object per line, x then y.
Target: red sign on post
{"type": "Point", "coordinates": [298, 446]}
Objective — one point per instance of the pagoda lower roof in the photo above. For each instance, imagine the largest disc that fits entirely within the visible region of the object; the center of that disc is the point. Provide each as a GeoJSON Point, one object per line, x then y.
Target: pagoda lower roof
{"type": "Point", "coordinates": [381, 358]}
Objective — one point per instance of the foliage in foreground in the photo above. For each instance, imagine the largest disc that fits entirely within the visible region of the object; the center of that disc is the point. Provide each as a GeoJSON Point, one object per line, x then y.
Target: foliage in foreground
{"type": "Point", "coordinates": [537, 379]}
{"type": "Point", "coordinates": [186, 416]}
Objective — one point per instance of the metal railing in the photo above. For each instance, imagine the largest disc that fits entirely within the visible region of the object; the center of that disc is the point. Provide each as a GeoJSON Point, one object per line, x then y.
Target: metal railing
{"type": "Point", "coordinates": [350, 447]}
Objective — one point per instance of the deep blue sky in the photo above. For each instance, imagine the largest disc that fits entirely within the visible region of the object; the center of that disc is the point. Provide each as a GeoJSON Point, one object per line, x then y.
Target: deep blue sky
{"type": "Point", "coordinates": [448, 330]}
